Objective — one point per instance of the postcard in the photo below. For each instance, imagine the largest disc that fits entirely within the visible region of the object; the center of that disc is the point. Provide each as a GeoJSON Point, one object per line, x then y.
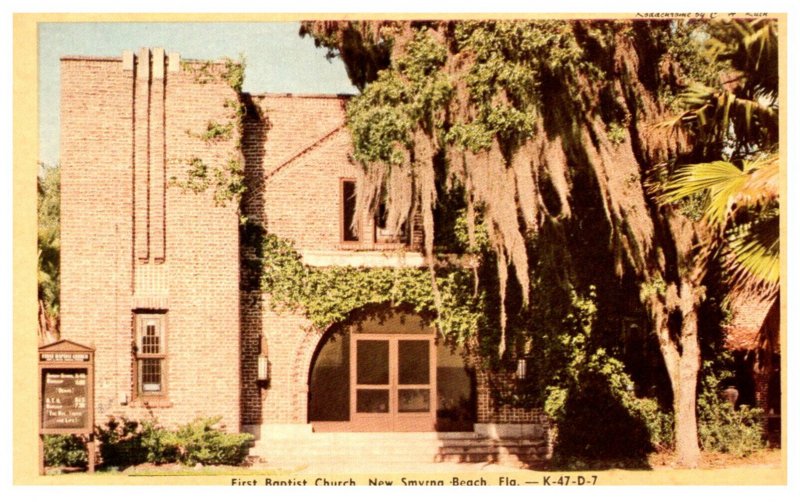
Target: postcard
{"type": "Point", "coordinates": [401, 250]}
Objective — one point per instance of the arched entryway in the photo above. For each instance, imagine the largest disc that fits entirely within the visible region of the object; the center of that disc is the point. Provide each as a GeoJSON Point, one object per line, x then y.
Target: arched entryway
{"type": "Point", "coordinates": [388, 372]}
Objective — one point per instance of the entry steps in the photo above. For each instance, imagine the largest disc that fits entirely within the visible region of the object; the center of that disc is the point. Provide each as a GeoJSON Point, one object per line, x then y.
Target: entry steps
{"type": "Point", "coordinates": [407, 447]}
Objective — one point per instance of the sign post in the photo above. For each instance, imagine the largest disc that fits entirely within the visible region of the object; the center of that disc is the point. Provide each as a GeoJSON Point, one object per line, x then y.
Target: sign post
{"type": "Point", "coordinates": [66, 394]}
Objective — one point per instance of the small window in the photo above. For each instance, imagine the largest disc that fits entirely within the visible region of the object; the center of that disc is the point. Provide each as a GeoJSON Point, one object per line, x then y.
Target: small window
{"type": "Point", "coordinates": [350, 228]}
{"type": "Point", "coordinates": [151, 355]}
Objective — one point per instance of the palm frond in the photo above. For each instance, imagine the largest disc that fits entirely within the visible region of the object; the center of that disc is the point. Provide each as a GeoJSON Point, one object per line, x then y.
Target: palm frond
{"type": "Point", "coordinates": [753, 256]}
{"type": "Point", "coordinates": [728, 187]}
{"type": "Point", "coordinates": [717, 113]}
{"type": "Point", "coordinates": [721, 180]}
{"type": "Point", "coordinates": [751, 47]}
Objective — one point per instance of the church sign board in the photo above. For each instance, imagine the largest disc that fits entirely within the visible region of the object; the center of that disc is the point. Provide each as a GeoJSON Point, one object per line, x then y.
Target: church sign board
{"type": "Point", "coordinates": [66, 391]}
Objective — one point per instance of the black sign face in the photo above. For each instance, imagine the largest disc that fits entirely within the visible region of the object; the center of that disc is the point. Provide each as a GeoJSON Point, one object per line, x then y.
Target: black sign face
{"type": "Point", "coordinates": [65, 399]}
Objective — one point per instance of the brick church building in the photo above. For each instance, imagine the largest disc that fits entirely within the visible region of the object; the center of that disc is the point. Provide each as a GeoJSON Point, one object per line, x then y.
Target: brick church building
{"type": "Point", "coordinates": [153, 275]}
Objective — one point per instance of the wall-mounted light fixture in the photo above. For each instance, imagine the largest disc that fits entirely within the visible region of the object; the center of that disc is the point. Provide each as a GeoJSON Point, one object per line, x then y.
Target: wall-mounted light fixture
{"type": "Point", "coordinates": [263, 368]}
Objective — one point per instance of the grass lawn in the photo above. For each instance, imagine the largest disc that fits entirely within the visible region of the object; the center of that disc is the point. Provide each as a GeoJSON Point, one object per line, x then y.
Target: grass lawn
{"type": "Point", "coordinates": [769, 458]}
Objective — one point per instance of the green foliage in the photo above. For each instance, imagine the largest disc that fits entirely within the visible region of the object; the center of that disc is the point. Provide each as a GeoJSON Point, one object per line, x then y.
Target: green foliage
{"type": "Point", "coordinates": [201, 72]}
{"type": "Point", "coordinates": [230, 182]}
{"type": "Point", "coordinates": [742, 200]}
{"type": "Point", "coordinates": [234, 73]}
{"type": "Point", "coordinates": [364, 46]}
{"type": "Point", "coordinates": [656, 286]}
{"type": "Point", "coordinates": [586, 392]}
{"type": "Point", "coordinates": [481, 246]}
{"type": "Point", "coordinates": [121, 443]}
{"type": "Point", "coordinates": [228, 178]}
{"type": "Point", "coordinates": [201, 442]}
{"type": "Point", "coordinates": [616, 133]}
{"type": "Point", "coordinates": [196, 176]}
{"type": "Point", "coordinates": [329, 295]}
{"type": "Point", "coordinates": [722, 427]}
{"type": "Point", "coordinates": [49, 245]}
{"type": "Point", "coordinates": [512, 61]}
{"type": "Point", "coordinates": [65, 450]}
{"type": "Point", "coordinates": [660, 424]}
{"type": "Point", "coordinates": [128, 442]}
{"type": "Point", "coordinates": [733, 117]}
{"type": "Point", "coordinates": [507, 66]}
{"type": "Point", "coordinates": [686, 45]}
{"type": "Point", "coordinates": [215, 131]}
{"type": "Point", "coordinates": [411, 94]}
{"type": "Point", "coordinates": [161, 446]}
{"type": "Point", "coordinates": [204, 72]}
{"type": "Point", "coordinates": [727, 430]}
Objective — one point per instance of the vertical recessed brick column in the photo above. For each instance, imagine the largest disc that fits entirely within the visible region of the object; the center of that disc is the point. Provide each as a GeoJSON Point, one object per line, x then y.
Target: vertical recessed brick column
{"type": "Point", "coordinates": [157, 163]}
{"type": "Point", "coordinates": [123, 235]}
{"type": "Point", "coordinates": [141, 155]}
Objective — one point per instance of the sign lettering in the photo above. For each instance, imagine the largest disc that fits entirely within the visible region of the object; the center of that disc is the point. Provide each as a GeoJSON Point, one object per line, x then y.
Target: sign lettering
{"type": "Point", "coordinates": [64, 403]}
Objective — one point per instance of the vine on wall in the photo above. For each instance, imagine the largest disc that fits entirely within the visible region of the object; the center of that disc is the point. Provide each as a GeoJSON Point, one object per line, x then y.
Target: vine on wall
{"type": "Point", "coordinates": [329, 295]}
{"type": "Point", "coordinates": [226, 178]}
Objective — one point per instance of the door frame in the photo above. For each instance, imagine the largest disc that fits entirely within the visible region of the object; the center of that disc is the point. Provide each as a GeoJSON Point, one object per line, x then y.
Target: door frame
{"type": "Point", "coordinates": [394, 420]}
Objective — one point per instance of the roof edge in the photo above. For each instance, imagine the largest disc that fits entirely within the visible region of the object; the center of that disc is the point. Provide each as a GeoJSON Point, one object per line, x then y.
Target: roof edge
{"type": "Point", "coordinates": [111, 59]}
{"type": "Point", "coordinates": [290, 95]}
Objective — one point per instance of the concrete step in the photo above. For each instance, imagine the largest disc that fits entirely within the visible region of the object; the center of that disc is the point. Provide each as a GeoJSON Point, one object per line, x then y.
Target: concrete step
{"type": "Point", "coordinates": [274, 445]}
{"type": "Point", "coordinates": [380, 448]}
{"type": "Point", "coordinates": [505, 459]}
{"type": "Point", "coordinates": [400, 447]}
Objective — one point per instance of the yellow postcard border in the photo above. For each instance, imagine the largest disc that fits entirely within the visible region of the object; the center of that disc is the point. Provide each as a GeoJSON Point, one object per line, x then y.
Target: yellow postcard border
{"type": "Point", "coordinates": [25, 156]}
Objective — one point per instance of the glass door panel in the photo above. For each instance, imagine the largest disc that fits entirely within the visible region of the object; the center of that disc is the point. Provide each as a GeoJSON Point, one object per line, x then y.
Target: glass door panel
{"type": "Point", "coordinates": [414, 362]}
{"type": "Point", "coordinates": [372, 358]}
{"type": "Point", "coordinates": [414, 400]}
{"type": "Point", "coordinates": [372, 401]}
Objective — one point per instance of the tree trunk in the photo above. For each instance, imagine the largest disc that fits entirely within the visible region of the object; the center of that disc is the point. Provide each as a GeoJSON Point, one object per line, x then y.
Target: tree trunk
{"type": "Point", "coordinates": [683, 369]}
{"type": "Point", "coordinates": [681, 352]}
{"type": "Point", "coordinates": [685, 399]}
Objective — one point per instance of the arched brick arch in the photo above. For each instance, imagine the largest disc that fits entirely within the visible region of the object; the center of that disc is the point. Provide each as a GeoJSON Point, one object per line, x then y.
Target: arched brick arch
{"type": "Point", "coordinates": [302, 368]}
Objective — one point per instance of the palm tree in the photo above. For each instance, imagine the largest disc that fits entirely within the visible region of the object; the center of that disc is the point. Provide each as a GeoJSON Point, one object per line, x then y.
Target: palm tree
{"type": "Point", "coordinates": [735, 126]}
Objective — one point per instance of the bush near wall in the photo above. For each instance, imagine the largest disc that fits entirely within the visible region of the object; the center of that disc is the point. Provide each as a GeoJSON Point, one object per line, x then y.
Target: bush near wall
{"type": "Point", "coordinates": [65, 450]}
{"type": "Point", "coordinates": [722, 427]}
{"type": "Point", "coordinates": [127, 442]}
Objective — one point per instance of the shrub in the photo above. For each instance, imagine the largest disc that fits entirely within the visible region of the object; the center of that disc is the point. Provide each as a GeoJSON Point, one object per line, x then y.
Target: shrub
{"type": "Point", "coordinates": [659, 423]}
{"type": "Point", "coordinates": [161, 446]}
{"type": "Point", "coordinates": [599, 420]}
{"type": "Point", "coordinates": [121, 442]}
{"type": "Point", "coordinates": [128, 442]}
{"type": "Point", "coordinates": [727, 430]}
{"type": "Point", "coordinates": [201, 442]}
{"type": "Point", "coordinates": [721, 427]}
{"type": "Point", "coordinates": [65, 450]}
{"type": "Point", "coordinates": [601, 425]}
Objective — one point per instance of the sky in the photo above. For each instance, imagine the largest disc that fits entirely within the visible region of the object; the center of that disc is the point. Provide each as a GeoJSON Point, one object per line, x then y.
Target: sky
{"type": "Point", "coordinates": [277, 58]}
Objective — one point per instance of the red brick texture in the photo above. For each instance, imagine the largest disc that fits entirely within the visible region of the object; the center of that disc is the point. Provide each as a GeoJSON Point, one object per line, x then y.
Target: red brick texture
{"type": "Point", "coordinates": [133, 242]}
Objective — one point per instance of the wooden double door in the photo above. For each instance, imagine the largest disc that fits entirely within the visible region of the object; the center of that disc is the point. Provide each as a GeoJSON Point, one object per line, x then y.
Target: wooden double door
{"type": "Point", "coordinates": [392, 382]}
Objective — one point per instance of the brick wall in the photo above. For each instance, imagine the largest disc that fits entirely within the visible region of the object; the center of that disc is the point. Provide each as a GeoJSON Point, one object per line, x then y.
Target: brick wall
{"type": "Point", "coordinates": [133, 242]}
{"type": "Point", "coordinates": [96, 218]}
{"type": "Point", "coordinates": [490, 411]}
